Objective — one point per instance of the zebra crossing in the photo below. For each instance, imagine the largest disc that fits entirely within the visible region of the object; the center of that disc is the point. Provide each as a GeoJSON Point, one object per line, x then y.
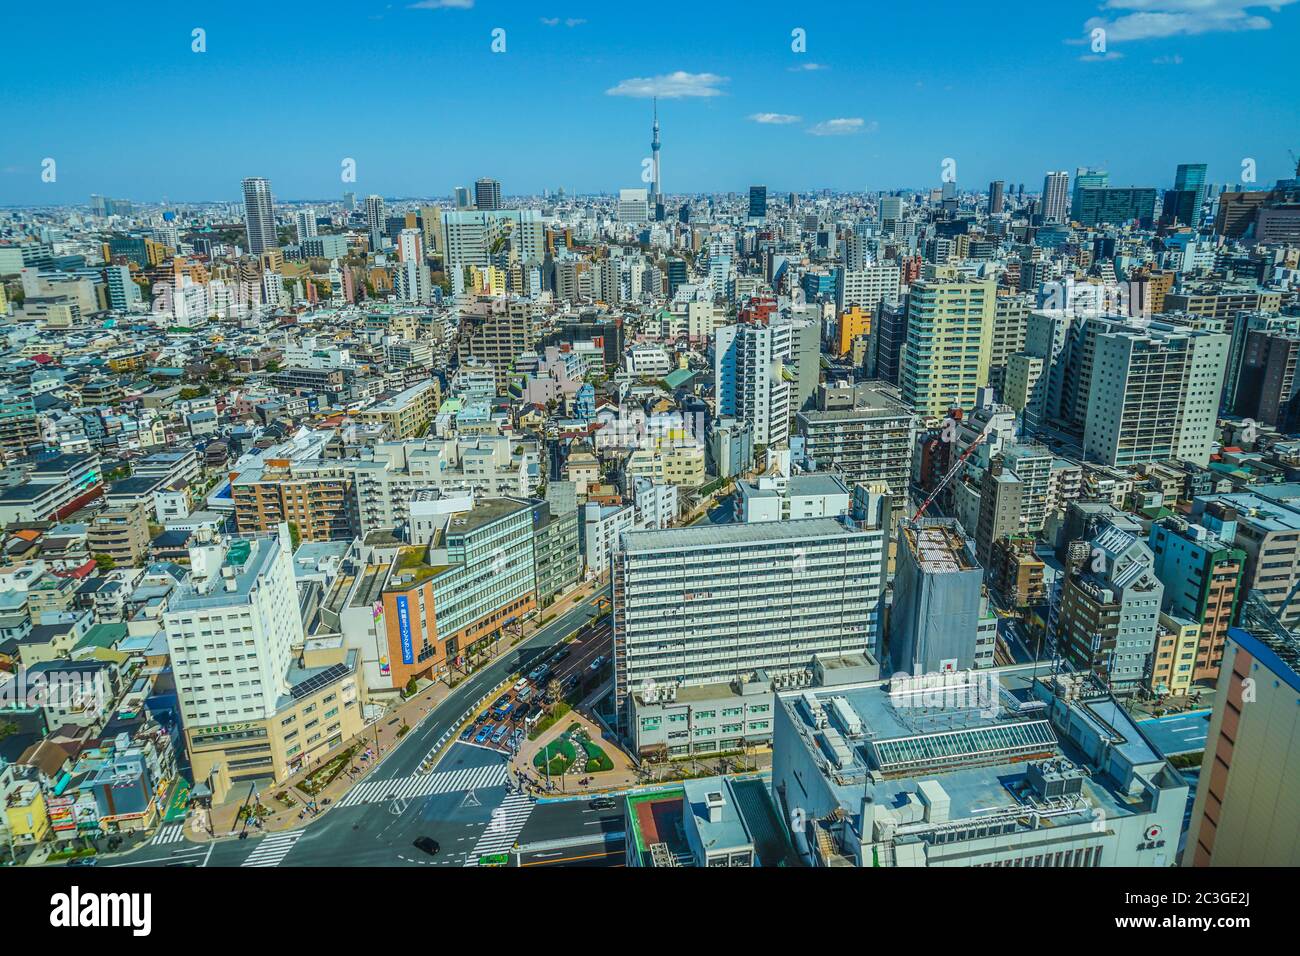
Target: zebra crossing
{"type": "Point", "coordinates": [425, 784]}
{"type": "Point", "coordinates": [273, 849]}
{"type": "Point", "coordinates": [171, 833]}
{"type": "Point", "coordinates": [507, 822]}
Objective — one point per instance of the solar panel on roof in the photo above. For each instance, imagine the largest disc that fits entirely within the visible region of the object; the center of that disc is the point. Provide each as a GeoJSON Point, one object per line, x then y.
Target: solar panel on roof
{"type": "Point", "coordinates": [326, 677]}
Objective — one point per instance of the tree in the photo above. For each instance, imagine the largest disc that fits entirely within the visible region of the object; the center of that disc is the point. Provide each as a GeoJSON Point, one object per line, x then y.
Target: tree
{"type": "Point", "coordinates": [411, 687]}
{"type": "Point", "coordinates": [105, 562]}
{"type": "Point", "coordinates": [294, 535]}
{"type": "Point", "coordinates": [554, 690]}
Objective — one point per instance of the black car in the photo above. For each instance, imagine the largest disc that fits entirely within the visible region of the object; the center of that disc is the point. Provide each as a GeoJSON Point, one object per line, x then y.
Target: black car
{"type": "Point", "coordinates": [427, 845]}
{"type": "Point", "coordinates": [603, 803]}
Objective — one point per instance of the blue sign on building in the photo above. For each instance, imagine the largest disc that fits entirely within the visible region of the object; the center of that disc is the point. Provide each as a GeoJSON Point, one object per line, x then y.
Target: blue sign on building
{"type": "Point", "coordinates": [404, 629]}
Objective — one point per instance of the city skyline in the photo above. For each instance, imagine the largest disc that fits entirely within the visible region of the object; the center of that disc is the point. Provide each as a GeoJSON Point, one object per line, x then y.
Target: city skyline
{"type": "Point", "coordinates": [737, 103]}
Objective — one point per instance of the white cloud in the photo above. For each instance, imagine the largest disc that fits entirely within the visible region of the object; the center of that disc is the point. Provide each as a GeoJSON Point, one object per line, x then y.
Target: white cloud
{"type": "Point", "coordinates": [1101, 57]}
{"type": "Point", "coordinates": [1153, 19]}
{"type": "Point", "coordinates": [808, 67]}
{"type": "Point", "coordinates": [551, 21]}
{"type": "Point", "coordinates": [574, 22]}
{"type": "Point", "coordinates": [843, 127]}
{"type": "Point", "coordinates": [442, 5]}
{"type": "Point", "coordinates": [775, 119]}
{"type": "Point", "coordinates": [670, 86]}
{"type": "Point", "coordinates": [1168, 60]}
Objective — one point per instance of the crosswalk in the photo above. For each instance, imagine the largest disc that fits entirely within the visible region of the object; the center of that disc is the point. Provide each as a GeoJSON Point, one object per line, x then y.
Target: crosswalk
{"type": "Point", "coordinates": [273, 849]}
{"type": "Point", "coordinates": [170, 833]}
{"type": "Point", "coordinates": [425, 784]}
{"type": "Point", "coordinates": [507, 822]}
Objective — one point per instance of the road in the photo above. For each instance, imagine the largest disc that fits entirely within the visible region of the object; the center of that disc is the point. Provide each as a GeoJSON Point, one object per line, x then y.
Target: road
{"type": "Point", "coordinates": [465, 803]}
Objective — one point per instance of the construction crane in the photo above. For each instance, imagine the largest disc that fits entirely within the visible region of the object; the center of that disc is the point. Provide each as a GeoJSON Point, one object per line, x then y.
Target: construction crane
{"type": "Point", "coordinates": [952, 472]}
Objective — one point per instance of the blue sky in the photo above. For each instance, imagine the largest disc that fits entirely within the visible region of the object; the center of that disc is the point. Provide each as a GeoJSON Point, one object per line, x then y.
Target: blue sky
{"type": "Point", "coordinates": [883, 94]}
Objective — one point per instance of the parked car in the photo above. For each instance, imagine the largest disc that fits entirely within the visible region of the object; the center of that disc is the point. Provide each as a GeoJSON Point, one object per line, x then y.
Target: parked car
{"type": "Point", "coordinates": [524, 695]}
{"type": "Point", "coordinates": [500, 732]}
{"type": "Point", "coordinates": [562, 653]}
{"type": "Point", "coordinates": [484, 733]}
{"type": "Point", "coordinates": [520, 684]}
{"type": "Point", "coordinates": [467, 733]}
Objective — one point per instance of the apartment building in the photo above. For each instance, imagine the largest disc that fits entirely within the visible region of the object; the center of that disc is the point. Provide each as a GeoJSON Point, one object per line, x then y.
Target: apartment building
{"type": "Point", "coordinates": [1110, 608]}
{"type": "Point", "coordinates": [390, 473]}
{"type": "Point", "coordinates": [120, 533]}
{"type": "Point", "coordinates": [316, 498]}
{"type": "Point", "coordinates": [1202, 573]}
{"type": "Point", "coordinates": [869, 443]}
{"type": "Point", "coordinates": [408, 413]}
{"type": "Point", "coordinates": [949, 342]}
{"type": "Point", "coordinates": [1154, 395]}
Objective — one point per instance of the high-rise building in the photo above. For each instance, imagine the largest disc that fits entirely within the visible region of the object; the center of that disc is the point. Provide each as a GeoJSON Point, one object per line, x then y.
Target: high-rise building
{"type": "Point", "coordinates": [1245, 812]}
{"type": "Point", "coordinates": [758, 203]}
{"type": "Point", "coordinates": [869, 442]}
{"type": "Point", "coordinates": [375, 221]}
{"type": "Point", "coordinates": [249, 703]}
{"type": "Point", "coordinates": [411, 281]}
{"type": "Point", "coordinates": [995, 197]}
{"type": "Point", "coordinates": [1085, 177]}
{"type": "Point", "coordinates": [122, 291]}
{"type": "Point", "coordinates": [1268, 530]}
{"type": "Point", "coordinates": [1056, 186]}
{"type": "Point", "coordinates": [869, 286]}
{"type": "Point", "coordinates": [487, 194]}
{"type": "Point", "coordinates": [305, 221]}
{"type": "Point", "coordinates": [1153, 394]}
{"type": "Point", "coordinates": [1095, 206]}
{"type": "Point", "coordinates": [470, 236]}
{"type": "Point", "coordinates": [1191, 177]}
{"type": "Point", "coordinates": [949, 341]}
{"type": "Point", "coordinates": [259, 215]}
{"type": "Point", "coordinates": [633, 205]}
{"type": "Point", "coordinates": [706, 605]}
{"type": "Point", "coordinates": [1110, 607]}
{"type": "Point", "coordinates": [1202, 574]}
{"type": "Point", "coordinates": [934, 623]}
{"type": "Point", "coordinates": [462, 198]}
{"type": "Point", "coordinates": [764, 373]}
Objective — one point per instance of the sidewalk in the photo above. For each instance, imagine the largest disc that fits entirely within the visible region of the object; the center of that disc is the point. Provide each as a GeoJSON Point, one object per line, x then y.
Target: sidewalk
{"type": "Point", "coordinates": [380, 737]}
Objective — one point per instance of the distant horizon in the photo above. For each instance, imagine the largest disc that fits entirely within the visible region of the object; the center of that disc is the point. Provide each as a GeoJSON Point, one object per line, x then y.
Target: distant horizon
{"type": "Point", "coordinates": [774, 195]}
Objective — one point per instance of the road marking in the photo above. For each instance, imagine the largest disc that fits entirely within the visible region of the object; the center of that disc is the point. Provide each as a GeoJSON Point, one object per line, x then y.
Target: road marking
{"type": "Point", "coordinates": [273, 849]}
{"type": "Point", "coordinates": [426, 784]}
{"type": "Point", "coordinates": [171, 833]}
{"type": "Point", "coordinates": [569, 859]}
{"type": "Point", "coordinates": [507, 822]}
